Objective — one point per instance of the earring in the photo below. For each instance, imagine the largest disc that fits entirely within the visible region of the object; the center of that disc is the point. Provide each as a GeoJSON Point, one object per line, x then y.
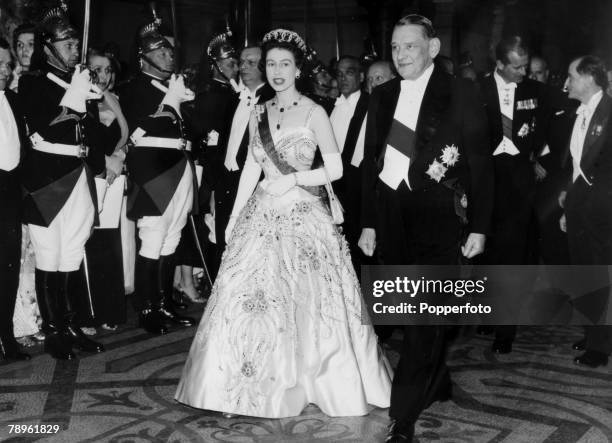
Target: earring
{"type": "Point", "coordinates": [298, 74]}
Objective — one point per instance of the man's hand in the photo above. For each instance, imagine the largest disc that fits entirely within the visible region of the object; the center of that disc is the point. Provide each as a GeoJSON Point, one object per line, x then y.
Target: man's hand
{"type": "Point", "coordinates": [563, 223]}
{"type": "Point", "coordinates": [367, 241]}
{"type": "Point", "coordinates": [474, 245]}
{"type": "Point", "coordinates": [540, 172]}
{"type": "Point", "coordinates": [561, 199]}
{"type": "Point", "coordinates": [281, 185]}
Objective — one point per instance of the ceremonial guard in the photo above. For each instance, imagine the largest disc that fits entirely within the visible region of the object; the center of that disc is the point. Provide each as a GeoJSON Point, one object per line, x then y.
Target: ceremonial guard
{"type": "Point", "coordinates": [162, 176]}
{"type": "Point", "coordinates": [214, 108]}
{"type": "Point", "coordinates": [60, 207]}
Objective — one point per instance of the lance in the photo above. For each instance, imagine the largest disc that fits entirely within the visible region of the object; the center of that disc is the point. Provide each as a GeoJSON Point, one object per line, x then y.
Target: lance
{"type": "Point", "coordinates": [337, 30]}
{"type": "Point", "coordinates": [85, 41]}
{"type": "Point", "coordinates": [177, 44]}
{"type": "Point", "coordinates": [200, 251]}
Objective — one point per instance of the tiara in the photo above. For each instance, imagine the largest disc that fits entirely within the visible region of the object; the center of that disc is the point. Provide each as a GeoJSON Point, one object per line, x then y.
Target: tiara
{"type": "Point", "coordinates": [283, 35]}
{"type": "Point", "coordinates": [219, 40]}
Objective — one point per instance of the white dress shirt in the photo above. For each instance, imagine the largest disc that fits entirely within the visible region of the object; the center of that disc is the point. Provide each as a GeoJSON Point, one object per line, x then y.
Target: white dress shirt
{"type": "Point", "coordinates": [579, 133]}
{"type": "Point", "coordinates": [9, 136]}
{"type": "Point", "coordinates": [341, 119]}
{"type": "Point", "coordinates": [505, 92]}
{"type": "Point", "coordinates": [240, 122]}
{"type": "Point", "coordinates": [396, 166]}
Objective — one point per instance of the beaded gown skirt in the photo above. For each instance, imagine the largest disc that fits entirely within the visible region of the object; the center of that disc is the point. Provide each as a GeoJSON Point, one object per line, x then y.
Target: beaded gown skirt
{"type": "Point", "coordinates": [284, 327]}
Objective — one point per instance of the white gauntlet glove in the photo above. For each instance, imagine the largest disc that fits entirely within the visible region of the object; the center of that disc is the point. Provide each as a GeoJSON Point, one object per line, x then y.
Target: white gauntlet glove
{"type": "Point", "coordinates": [177, 92]}
{"type": "Point", "coordinates": [77, 92]}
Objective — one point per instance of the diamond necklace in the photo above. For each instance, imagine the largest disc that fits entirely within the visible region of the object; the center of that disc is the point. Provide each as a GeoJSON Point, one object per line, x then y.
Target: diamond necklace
{"type": "Point", "coordinates": [283, 109]}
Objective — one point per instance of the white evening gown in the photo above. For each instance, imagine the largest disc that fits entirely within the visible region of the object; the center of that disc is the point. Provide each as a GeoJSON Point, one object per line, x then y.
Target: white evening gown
{"type": "Point", "coordinates": [283, 327]}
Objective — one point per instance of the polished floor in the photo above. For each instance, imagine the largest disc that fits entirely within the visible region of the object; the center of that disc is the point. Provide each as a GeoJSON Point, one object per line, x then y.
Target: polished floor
{"type": "Point", "coordinates": [535, 394]}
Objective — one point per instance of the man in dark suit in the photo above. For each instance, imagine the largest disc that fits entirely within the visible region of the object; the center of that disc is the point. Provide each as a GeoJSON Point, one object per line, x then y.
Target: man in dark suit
{"type": "Point", "coordinates": [233, 152]}
{"type": "Point", "coordinates": [348, 123]}
{"type": "Point", "coordinates": [426, 173]}
{"type": "Point", "coordinates": [586, 201]}
{"type": "Point", "coordinates": [12, 137]}
{"type": "Point", "coordinates": [516, 110]}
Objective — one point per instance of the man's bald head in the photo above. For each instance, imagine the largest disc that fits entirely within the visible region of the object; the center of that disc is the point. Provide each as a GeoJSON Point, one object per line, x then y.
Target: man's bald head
{"type": "Point", "coordinates": [378, 73]}
{"type": "Point", "coordinates": [538, 69]}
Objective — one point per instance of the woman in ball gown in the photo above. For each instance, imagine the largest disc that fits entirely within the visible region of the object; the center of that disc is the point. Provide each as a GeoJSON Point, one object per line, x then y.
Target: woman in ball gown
{"type": "Point", "coordinates": [284, 326]}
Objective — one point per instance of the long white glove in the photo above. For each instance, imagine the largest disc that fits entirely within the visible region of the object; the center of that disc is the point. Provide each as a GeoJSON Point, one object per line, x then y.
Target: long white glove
{"type": "Point", "coordinates": [177, 92]}
{"type": "Point", "coordinates": [77, 92]}
{"type": "Point", "coordinates": [248, 180]}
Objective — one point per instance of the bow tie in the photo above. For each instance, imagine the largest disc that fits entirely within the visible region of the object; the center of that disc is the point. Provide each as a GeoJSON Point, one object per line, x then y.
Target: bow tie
{"type": "Point", "coordinates": [341, 100]}
{"type": "Point", "coordinates": [509, 86]}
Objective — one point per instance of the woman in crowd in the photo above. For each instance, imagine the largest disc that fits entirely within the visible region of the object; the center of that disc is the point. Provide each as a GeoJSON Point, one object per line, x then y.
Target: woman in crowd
{"type": "Point", "coordinates": [26, 320]}
{"type": "Point", "coordinates": [283, 327]}
{"type": "Point", "coordinates": [107, 307]}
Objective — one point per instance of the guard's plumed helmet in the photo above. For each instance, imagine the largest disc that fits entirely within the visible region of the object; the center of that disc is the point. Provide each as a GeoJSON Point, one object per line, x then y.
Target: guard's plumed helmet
{"type": "Point", "coordinates": [220, 47]}
{"type": "Point", "coordinates": [150, 38]}
{"type": "Point", "coordinates": [56, 27]}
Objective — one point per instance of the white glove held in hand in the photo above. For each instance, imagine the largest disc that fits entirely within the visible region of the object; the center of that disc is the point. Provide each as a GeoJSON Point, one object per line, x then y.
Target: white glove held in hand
{"type": "Point", "coordinates": [77, 92]}
{"type": "Point", "coordinates": [177, 92]}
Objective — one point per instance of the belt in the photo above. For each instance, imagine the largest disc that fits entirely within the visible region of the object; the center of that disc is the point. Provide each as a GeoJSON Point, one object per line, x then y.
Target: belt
{"type": "Point", "coordinates": [40, 144]}
{"type": "Point", "coordinates": [159, 142]}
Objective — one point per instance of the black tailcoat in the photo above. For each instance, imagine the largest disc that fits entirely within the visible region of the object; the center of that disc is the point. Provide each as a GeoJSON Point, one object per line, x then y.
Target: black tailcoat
{"type": "Point", "coordinates": [424, 225]}
{"type": "Point", "coordinates": [514, 175]}
{"type": "Point", "coordinates": [450, 115]}
{"type": "Point", "coordinates": [226, 186]}
{"type": "Point", "coordinates": [10, 228]}
{"type": "Point", "coordinates": [589, 214]}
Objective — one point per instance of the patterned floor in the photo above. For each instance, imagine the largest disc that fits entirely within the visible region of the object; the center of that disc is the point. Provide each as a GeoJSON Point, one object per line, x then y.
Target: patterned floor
{"type": "Point", "coordinates": [124, 395]}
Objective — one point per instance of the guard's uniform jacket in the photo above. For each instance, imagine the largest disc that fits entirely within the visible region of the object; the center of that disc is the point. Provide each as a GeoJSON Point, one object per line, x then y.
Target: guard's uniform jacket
{"type": "Point", "coordinates": [49, 178]}
{"type": "Point", "coordinates": [156, 163]}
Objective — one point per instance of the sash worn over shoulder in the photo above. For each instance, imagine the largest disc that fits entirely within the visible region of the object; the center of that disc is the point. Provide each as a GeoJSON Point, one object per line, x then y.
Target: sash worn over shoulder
{"type": "Point", "coordinates": [268, 145]}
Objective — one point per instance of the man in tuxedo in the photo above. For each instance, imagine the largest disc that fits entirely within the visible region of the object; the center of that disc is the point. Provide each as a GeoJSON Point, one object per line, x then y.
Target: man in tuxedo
{"type": "Point", "coordinates": [426, 173]}
{"type": "Point", "coordinates": [586, 201]}
{"type": "Point", "coordinates": [12, 137]}
{"type": "Point", "coordinates": [515, 110]}
{"type": "Point", "coordinates": [162, 175]}
{"type": "Point", "coordinates": [233, 153]}
{"type": "Point", "coordinates": [348, 122]}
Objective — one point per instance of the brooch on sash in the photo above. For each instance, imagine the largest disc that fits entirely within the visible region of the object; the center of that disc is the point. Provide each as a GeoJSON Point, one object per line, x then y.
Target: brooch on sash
{"type": "Point", "coordinates": [437, 169]}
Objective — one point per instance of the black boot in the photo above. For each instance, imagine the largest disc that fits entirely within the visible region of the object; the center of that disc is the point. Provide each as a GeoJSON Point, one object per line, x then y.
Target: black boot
{"type": "Point", "coordinates": [147, 297]}
{"type": "Point", "coordinates": [166, 289]}
{"type": "Point", "coordinates": [52, 311]}
{"type": "Point", "coordinates": [9, 348]}
{"type": "Point", "coordinates": [70, 289]}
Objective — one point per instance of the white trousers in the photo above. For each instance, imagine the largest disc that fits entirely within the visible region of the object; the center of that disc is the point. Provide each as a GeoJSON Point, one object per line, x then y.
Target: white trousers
{"type": "Point", "coordinates": [160, 235]}
{"type": "Point", "coordinates": [61, 245]}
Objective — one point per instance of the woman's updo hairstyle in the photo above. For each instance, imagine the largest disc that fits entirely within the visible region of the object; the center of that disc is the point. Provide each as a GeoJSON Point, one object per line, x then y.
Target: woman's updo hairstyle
{"type": "Point", "coordinates": [283, 39]}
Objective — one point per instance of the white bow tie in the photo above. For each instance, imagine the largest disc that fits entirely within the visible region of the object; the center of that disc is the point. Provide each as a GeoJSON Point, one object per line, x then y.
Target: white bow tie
{"type": "Point", "coordinates": [509, 86]}
{"type": "Point", "coordinates": [341, 100]}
